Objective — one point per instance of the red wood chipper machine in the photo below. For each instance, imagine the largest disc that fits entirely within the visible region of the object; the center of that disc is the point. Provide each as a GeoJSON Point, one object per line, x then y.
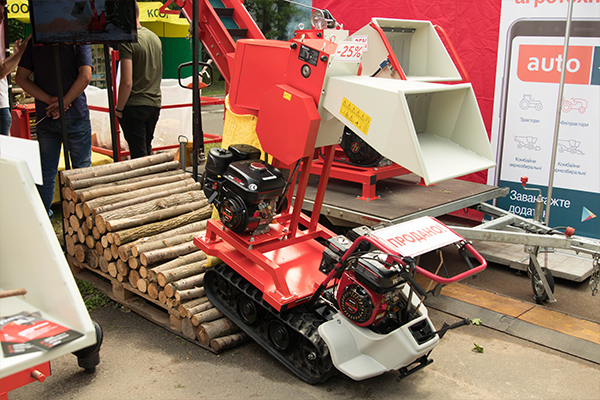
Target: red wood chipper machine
{"type": "Point", "coordinates": [317, 301]}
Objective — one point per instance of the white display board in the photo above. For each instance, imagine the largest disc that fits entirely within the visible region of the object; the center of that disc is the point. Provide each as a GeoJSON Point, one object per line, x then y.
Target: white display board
{"type": "Point", "coordinates": [416, 237]}
{"type": "Point", "coordinates": [530, 55]}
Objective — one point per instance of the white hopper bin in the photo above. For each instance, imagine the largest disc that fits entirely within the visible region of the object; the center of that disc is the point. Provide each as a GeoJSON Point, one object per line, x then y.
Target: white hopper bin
{"type": "Point", "coordinates": [433, 130]}
{"type": "Point", "coordinates": [415, 45]}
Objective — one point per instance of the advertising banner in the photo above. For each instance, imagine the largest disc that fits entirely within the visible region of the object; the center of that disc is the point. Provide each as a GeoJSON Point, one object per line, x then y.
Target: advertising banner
{"type": "Point", "coordinates": [164, 25]}
{"type": "Point", "coordinates": [530, 58]}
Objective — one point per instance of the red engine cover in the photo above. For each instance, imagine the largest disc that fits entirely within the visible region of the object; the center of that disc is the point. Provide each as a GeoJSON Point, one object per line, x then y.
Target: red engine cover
{"type": "Point", "coordinates": [357, 302]}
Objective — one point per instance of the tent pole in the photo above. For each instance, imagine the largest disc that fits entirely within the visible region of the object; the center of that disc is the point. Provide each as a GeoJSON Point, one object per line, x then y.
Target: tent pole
{"type": "Point", "coordinates": [558, 111]}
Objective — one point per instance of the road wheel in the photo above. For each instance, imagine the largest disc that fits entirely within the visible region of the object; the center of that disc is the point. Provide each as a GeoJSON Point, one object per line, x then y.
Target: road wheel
{"type": "Point", "coordinates": [248, 309]}
{"type": "Point", "coordinates": [279, 335]}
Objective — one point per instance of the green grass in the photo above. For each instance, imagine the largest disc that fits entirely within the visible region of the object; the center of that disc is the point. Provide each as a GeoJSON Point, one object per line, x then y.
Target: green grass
{"type": "Point", "coordinates": [209, 146]}
{"type": "Point", "coordinates": [92, 298]}
{"type": "Point", "coordinates": [218, 86]}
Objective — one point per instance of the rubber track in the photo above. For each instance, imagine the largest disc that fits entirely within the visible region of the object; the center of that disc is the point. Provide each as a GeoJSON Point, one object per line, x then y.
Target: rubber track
{"type": "Point", "coordinates": [304, 323]}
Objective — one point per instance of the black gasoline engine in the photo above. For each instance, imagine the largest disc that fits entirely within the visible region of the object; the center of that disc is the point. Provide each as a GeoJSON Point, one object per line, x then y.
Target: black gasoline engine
{"type": "Point", "coordinates": [245, 190]}
{"type": "Point", "coordinates": [372, 292]}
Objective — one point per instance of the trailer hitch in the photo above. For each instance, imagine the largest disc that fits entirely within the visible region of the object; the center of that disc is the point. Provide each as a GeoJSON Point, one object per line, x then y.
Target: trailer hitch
{"type": "Point", "coordinates": [424, 361]}
{"type": "Point", "coordinates": [445, 327]}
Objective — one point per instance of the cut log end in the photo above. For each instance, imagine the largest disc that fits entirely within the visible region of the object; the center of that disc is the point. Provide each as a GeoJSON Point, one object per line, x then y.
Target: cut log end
{"type": "Point", "coordinates": [228, 342]}
{"type": "Point", "coordinates": [214, 329]}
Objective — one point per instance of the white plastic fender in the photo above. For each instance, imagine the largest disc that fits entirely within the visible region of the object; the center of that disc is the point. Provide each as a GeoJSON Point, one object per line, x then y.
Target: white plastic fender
{"type": "Point", "coordinates": [361, 353]}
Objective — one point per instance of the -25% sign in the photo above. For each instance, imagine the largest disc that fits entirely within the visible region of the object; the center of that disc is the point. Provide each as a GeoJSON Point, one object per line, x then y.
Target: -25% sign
{"type": "Point", "coordinates": [349, 51]}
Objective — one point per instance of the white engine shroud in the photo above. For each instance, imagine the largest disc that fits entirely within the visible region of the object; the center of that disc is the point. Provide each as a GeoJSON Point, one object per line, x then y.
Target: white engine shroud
{"type": "Point", "coordinates": [361, 353]}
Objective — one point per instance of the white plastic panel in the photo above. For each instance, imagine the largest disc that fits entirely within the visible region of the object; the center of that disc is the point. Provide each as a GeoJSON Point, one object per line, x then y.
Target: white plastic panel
{"type": "Point", "coordinates": [361, 353]}
{"type": "Point", "coordinates": [434, 130]}
{"type": "Point", "coordinates": [31, 258]}
{"type": "Point", "coordinates": [420, 52]}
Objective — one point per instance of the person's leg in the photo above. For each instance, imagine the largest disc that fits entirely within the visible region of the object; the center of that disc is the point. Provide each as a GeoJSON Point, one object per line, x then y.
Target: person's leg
{"type": "Point", "coordinates": [50, 140]}
{"type": "Point", "coordinates": [5, 121]}
{"type": "Point", "coordinates": [80, 142]}
{"type": "Point", "coordinates": [134, 129]}
{"type": "Point", "coordinates": [151, 121]}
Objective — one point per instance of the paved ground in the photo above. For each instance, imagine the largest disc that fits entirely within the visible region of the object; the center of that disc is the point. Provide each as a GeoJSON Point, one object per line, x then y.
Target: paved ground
{"type": "Point", "coordinates": [141, 360]}
{"type": "Point", "coordinates": [212, 119]}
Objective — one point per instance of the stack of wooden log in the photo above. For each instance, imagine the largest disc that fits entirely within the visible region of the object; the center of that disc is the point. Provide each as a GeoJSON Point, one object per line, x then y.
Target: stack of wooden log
{"type": "Point", "coordinates": [134, 222]}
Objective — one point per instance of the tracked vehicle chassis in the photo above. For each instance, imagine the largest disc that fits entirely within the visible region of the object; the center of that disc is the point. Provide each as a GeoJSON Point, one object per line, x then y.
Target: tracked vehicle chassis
{"type": "Point", "coordinates": [290, 336]}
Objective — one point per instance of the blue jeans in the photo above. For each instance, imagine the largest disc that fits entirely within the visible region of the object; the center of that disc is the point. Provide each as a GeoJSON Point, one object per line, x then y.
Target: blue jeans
{"type": "Point", "coordinates": [49, 136]}
{"type": "Point", "coordinates": [5, 121]}
{"type": "Point", "coordinates": [138, 123]}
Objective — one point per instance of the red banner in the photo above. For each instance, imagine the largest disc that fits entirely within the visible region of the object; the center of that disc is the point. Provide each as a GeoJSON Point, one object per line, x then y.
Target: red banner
{"type": "Point", "coordinates": [472, 26]}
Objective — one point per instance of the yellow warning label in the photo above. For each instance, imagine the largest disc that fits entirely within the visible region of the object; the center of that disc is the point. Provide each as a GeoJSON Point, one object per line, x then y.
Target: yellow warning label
{"type": "Point", "coordinates": [287, 96]}
{"type": "Point", "coordinates": [355, 115]}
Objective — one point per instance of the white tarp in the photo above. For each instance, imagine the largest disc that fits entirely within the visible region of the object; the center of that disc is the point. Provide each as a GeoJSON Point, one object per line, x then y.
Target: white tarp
{"type": "Point", "coordinates": [172, 123]}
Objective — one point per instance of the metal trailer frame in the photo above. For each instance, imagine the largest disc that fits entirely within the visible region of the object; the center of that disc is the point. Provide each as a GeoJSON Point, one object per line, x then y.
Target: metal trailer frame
{"type": "Point", "coordinates": [510, 228]}
{"type": "Point", "coordinates": [501, 226]}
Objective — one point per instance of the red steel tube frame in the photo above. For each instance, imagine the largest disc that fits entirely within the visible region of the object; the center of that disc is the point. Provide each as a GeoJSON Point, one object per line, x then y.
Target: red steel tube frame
{"type": "Point", "coordinates": [456, 278]}
{"type": "Point", "coordinates": [461, 68]}
{"type": "Point", "coordinates": [396, 256]}
{"type": "Point", "coordinates": [37, 373]}
{"type": "Point", "coordinates": [208, 137]}
{"type": "Point", "coordinates": [393, 60]}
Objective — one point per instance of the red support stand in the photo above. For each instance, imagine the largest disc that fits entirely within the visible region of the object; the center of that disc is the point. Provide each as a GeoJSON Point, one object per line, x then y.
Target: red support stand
{"type": "Point", "coordinates": [38, 373]}
{"type": "Point", "coordinates": [366, 176]}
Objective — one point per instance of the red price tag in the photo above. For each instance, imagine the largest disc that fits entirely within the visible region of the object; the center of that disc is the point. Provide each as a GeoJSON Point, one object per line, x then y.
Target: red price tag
{"type": "Point", "coordinates": [349, 51]}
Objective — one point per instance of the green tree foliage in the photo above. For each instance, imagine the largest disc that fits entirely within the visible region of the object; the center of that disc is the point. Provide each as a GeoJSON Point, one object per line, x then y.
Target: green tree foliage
{"type": "Point", "coordinates": [16, 30]}
{"type": "Point", "coordinates": [272, 16]}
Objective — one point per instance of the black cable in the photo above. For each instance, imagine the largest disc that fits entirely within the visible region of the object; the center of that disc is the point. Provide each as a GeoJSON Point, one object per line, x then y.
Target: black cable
{"type": "Point", "coordinates": [554, 230]}
{"type": "Point", "coordinates": [287, 185]}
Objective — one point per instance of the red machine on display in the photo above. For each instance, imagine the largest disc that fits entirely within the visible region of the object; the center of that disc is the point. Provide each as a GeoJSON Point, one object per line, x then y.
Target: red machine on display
{"type": "Point", "coordinates": [317, 301]}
